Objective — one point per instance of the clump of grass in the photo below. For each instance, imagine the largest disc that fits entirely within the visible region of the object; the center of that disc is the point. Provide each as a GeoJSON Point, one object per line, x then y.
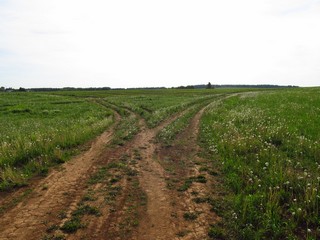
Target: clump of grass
{"type": "Point", "coordinates": [99, 176]}
{"type": "Point", "coordinates": [84, 209]}
{"type": "Point", "coordinates": [199, 179]}
{"type": "Point", "coordinates": [188, 182]}
{"type": "Point", "coordinates": [115, 179]}
{"type": "Point", "coordinates": [88, 197]}
{"type": "Point", "coordinates": [72, 225]}
{"type": "Point", "coordinates": [190, 216]}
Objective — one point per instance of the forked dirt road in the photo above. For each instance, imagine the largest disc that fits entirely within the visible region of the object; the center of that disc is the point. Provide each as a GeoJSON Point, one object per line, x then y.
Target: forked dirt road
{"type": "Point", "coordinates": [141, 206]}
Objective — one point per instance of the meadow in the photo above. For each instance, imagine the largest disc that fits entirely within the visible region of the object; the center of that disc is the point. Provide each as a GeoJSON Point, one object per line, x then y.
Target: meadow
{"type": "Point", "coordinates": [38, 130]}
{"type": "Point", "coordinates": [267, 147]}
{"type": "Point", "coordinates": [263, 145]}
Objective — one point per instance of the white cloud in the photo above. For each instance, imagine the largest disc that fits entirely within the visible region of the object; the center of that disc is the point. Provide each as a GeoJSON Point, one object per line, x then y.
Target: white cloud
{"type": "Point", "coordinates": [158, 43]}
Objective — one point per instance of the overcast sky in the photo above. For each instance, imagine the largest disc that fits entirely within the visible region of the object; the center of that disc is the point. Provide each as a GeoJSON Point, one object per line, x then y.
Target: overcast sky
{"type": "Point", "coordinates": [96, 43]}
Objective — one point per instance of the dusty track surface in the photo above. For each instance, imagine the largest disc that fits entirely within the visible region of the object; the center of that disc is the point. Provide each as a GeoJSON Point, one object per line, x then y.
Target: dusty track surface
{"type": "Point", "coordinates": [128, 185]}
{"type": "Point", "coordinates": [191, 204]}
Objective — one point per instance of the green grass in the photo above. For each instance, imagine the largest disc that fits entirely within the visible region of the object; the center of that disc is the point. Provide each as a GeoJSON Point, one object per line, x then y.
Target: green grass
{"type": "Point", "coordinates": [188, 182]}
{"type": "Point", "coordinates": [125, 130]}
{"type": "Point", "coordinates": [267, 145]}
{"type": "Point", "coordinates": [72, 225]}
{"type": "Point", "coordinates": [167, 135]}
{"type": "Point", "coordinates": [38, 130]}
{"type": "Point", "coordinates": [153, 105]}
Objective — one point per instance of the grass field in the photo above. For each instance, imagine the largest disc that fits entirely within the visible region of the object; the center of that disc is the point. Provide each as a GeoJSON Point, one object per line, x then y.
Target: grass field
{"type": "Point", "coordinates": [262, 145]}
{"type": "Point", "coordinates": [267, 145]}
{"type": "Point", "coordinates": [39, 129]}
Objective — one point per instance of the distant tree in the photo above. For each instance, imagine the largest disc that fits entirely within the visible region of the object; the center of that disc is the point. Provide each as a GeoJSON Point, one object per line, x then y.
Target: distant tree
{"type": "Point", "coordinates": [209, 86]}
{"type": "Point", "coordinates": [22, 89]}
{"type": "Point", "coordinates": [2, 89]}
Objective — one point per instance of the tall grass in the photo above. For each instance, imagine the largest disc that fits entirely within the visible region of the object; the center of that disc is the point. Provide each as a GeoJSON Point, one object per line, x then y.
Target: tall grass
{"type": "Point", "coordinates": [39, 129]}
{"type": "Point", "coordinates": [267, 145]}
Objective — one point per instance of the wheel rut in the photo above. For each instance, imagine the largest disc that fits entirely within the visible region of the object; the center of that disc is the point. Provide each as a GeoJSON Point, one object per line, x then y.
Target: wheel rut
{"type": "Point", "coordinates": [157, 220]}
{"type": "Point", "coordinates": [192, 209]}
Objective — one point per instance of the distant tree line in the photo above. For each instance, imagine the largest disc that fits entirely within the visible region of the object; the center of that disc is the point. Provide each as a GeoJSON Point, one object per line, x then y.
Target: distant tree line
{"type": "Point", "coordinates": [185, 87]}
{"type": "Point", "coordinates": [3, 89]}
{"type": "Point", "coordinates": [242, 86]}
{"type": "Point", "coordinates": [201, 86]}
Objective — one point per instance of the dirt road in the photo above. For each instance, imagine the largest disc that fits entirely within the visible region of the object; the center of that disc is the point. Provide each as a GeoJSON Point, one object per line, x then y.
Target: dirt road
{"type": "Point", "coordinates": [120, 192]}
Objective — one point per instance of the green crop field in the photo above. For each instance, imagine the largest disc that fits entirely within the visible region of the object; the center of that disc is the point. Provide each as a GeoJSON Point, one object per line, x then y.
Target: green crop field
{"type": "Point", "coordinates": [262, 144]}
